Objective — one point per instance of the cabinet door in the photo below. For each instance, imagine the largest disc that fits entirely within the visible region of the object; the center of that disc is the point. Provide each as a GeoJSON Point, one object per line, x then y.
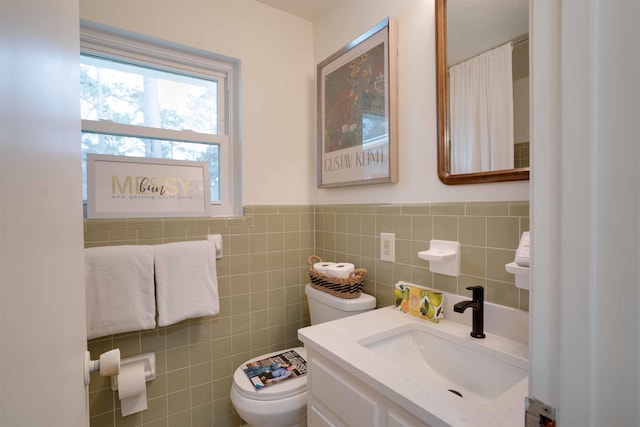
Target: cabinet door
{"type": "Point", "coordinates": [396, 420]}
{"type": "Point", "coordinates": [336, 391]}
{"type": "Point", "coordinates": [318, 419]}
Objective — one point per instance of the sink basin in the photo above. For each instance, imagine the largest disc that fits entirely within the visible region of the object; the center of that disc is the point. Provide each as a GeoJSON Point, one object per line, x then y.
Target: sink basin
{"type": "Point", "coordinates": [414, 363]}
{"type": "Point", "coordinates": [464, 367]}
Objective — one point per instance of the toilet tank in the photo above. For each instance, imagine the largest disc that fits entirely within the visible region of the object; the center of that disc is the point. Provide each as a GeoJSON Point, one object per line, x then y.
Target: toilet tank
{"type": "Point", "coordinates": [324, 307]}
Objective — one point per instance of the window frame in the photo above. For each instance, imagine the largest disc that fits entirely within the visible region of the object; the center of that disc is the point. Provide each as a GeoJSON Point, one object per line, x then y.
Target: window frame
{"type": "Point", "coordinates": [104, 42]}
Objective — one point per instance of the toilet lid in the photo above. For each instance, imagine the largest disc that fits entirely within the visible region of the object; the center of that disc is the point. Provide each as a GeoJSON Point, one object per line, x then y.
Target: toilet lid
{"type": "Point", "coordinates": [281, 390]}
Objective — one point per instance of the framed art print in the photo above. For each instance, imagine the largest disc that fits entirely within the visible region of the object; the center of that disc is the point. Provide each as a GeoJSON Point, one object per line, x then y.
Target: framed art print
{"type": "Point", "coordinates": [357, 111]}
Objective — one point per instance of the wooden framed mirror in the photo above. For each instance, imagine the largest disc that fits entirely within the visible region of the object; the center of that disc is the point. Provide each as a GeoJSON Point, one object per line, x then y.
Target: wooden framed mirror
{"type": "Point", "coordinates": [452, 173]}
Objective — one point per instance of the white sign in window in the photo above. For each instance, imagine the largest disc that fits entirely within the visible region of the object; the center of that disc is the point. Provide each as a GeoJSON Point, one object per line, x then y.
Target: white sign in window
{"type": "Point", "coordinates": [128, 187]}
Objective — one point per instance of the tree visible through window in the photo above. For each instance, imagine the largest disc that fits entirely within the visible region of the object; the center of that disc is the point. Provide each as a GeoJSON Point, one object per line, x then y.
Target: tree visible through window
{"type": "Point", "coordinates": [145, 107]}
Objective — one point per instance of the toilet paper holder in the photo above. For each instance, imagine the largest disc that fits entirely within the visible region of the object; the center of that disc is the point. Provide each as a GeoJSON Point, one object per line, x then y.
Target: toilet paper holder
{"type": "Point", "coordinates": [149, 360]}
{"type": "Point", "coordinates": [107, 365]}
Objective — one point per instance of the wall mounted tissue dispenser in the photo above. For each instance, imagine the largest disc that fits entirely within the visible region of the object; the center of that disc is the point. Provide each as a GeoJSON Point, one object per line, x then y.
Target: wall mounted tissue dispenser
{"type": "Point", "coordinates": [149, 360]}
{"type": "Point", "coordinates": [131, 383]}
{"type": "Point", "coordinates": [128, 377]}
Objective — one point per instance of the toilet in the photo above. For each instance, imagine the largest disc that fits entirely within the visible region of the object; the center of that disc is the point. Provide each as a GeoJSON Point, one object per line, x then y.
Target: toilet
{"type": "Point", "coordinates": [285, 404]}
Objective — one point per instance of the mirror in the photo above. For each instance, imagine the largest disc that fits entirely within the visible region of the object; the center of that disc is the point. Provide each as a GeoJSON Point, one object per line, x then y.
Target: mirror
{"type": "Point", "coordinates": [467, 29]}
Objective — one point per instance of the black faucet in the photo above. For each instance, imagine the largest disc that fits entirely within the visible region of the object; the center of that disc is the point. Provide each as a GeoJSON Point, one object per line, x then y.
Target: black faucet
{"type": "Point", "coordinates": [477, 305]}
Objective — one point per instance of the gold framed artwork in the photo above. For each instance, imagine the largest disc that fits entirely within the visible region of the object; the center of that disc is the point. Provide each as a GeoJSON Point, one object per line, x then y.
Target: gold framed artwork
{"type": "Point", "coordinates": [357, 111]}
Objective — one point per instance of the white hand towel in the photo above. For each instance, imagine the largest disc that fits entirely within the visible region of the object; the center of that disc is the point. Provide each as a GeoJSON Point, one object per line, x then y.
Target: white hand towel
{"type": "Point", "coordinates": [119, 288]}
{"type": "Point", "coordinates": [186, 281]}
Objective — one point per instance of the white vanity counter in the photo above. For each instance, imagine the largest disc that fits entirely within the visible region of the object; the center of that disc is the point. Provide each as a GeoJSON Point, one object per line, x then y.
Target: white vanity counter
{"type": "Point", "coordinates": [342, 345]}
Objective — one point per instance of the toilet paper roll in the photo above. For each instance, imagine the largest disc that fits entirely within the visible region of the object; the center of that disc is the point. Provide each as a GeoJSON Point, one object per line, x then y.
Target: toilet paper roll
{"type": "Point", "coordinates": [340, 270]}
{"type": "Point", "coordinates": [132, 388]}
{"type": "Point", "coordinates": [323, 267]}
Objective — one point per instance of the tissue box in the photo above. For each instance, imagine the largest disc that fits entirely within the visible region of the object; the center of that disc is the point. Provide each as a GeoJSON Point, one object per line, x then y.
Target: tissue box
{"type": "Point", "coordinates": [418, 301]}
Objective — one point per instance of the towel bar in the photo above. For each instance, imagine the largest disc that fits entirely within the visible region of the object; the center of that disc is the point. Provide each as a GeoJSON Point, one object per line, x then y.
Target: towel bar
{"type": "Point", "coordinates": [216, 239]}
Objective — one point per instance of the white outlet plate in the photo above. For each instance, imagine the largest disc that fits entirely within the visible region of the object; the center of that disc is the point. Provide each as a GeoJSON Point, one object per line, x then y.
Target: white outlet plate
{"type": "Point", "coordinates": [388, 247]}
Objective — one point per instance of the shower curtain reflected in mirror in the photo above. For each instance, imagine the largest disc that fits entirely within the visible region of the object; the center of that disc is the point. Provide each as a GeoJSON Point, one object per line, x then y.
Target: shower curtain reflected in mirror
{"type": "Point", "coordinates": [481, 112]}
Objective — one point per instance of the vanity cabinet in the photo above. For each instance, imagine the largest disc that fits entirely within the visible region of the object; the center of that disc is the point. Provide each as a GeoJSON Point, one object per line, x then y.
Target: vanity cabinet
{"type": "Point", "coordinates": [369, 370]}
{"type": "Point", "coordinates": [336, 398]}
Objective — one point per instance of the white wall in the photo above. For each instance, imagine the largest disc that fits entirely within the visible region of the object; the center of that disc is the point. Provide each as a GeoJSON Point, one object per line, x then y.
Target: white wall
{"type": "Point", "coordinates": [279, 55]}
{"type": "Point", "coordinates": [42, 297]}
{"type": "Point", "coordinates": [418, 180]}
{"type": "Point", "coordinates": [277, 80]}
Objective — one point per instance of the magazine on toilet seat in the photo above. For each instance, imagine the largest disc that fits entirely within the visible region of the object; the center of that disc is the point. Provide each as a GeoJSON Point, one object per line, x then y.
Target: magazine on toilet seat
{"type": "Point", "coordinates": [275, 369]}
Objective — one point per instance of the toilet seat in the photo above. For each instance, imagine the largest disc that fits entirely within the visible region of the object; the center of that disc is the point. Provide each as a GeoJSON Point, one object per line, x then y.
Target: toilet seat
{"type": "Point", "coordinates": [282, 390]}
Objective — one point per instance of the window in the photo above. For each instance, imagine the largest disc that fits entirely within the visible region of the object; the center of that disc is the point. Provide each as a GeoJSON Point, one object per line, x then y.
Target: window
{"type": "Point", "coordinates": [151, 99]}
